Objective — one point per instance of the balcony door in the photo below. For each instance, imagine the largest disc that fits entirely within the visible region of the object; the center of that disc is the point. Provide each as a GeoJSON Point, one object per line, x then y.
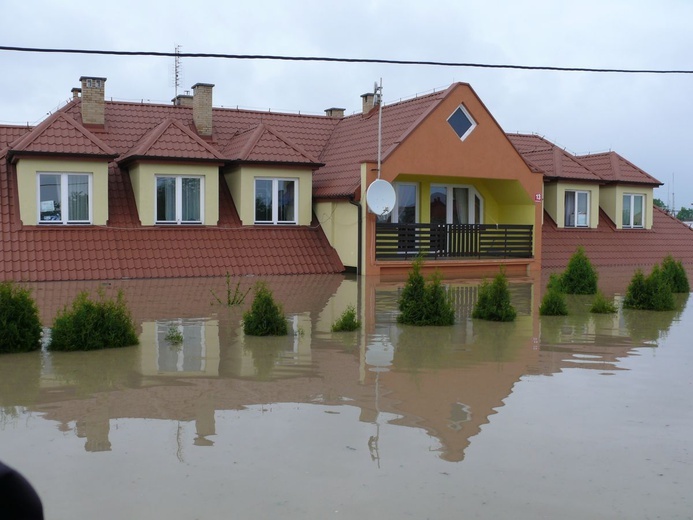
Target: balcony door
{"type": "Point", "coordinates": [455, 205]}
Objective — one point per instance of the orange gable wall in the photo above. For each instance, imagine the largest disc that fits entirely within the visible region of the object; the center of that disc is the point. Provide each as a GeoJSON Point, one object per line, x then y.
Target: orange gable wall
{"type": "Point", "coordinates": [432, 148]}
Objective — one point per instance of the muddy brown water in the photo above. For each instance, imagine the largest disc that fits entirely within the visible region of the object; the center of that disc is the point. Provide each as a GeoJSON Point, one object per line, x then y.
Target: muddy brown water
{"type": "Point", "coordinates": [573, 417]}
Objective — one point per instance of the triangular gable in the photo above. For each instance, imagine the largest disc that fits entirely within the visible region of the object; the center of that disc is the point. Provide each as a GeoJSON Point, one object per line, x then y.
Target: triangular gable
{"type": "Point", "coordinates": [170, 139]}
{"type": "Point", "coordinates": [614, 168]}
{"type": "Point", "coordinates": [263, 144]}
{"type": "Point", "coordinates": [432, 146]}
{"type": "Point", "coordinates": [59, 134]}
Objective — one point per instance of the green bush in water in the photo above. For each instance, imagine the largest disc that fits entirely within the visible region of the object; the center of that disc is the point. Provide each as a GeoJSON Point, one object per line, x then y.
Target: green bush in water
{"type": "Point", "coordinates": [20, 326]}
{"type": "Point", "coordinates": [601, 305]}
{"type": "Point", "coordinates": [493, 303]}
{"type": "Point", "coordinates": [93, 324]}
{"type": "Point", "coordinates": [265, 317]}
{"type": "Point", "coordinates": [579, 277]}
{"type": "Point", "coordinates": [652, 293]}
{"type": "Point", "coordinates": [424, 303]}
{"type": "Point", "coordinates": [674, 271]}
{"type": "Point", "coordinates": [553, 303]}
{"type": "Point", "coordinates": [347, 321]}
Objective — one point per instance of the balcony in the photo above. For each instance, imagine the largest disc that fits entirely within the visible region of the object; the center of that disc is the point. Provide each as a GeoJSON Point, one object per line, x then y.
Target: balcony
{"type": "Point", "coordinates": [452, 241]}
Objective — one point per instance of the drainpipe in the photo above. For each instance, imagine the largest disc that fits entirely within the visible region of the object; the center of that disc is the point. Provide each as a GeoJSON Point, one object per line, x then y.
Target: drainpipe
{"type": "Point", "coordinates": [360, 229]}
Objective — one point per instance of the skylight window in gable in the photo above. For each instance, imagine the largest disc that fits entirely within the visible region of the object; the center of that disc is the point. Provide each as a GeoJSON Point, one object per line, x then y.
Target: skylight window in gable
{"type": "Point", "coordinates": [462, 122]}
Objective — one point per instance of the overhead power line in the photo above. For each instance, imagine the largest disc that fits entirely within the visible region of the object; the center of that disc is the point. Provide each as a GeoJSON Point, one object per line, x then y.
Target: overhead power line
{"type": "Point", "coordinates": [337, 60]}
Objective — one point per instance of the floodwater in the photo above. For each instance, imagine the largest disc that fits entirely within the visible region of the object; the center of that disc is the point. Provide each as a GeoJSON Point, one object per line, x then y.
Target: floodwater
{"type": "Point", "coordinates": [573, 417]}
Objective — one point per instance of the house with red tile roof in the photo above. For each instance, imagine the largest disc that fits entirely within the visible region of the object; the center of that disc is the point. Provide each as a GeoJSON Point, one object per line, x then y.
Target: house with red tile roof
{"type": "Point", "coordinates": [107, 190]}
{"type": "Point", "coordinates": [603, 203]}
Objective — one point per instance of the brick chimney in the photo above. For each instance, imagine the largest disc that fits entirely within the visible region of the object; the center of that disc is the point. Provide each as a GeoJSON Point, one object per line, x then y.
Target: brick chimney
{"type": "Point", "coordinates": [202, 108]}
{"type": "Point", "coordinates": [368, 101]}
{"type": "Point", "coordinates": [335, 112]}
{"type": "Point", "coordinates": [183, 100]}
{"type": "Point", "coordinates": [76, 92]}
{"type": "Point", "coordinates": [93, 102]}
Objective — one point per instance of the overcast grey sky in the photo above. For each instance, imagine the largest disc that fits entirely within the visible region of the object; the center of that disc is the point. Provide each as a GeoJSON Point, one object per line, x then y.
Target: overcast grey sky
{"type": "Point", "coordinates": [645, 118]}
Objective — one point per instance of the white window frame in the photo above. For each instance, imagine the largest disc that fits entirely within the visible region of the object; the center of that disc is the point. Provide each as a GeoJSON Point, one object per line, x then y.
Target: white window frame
{"type": "Point", "coordinates": [275, 196]}
{"type": "Point", "coordinates": [576, 194]}
{"type": "Point", "coordinates": [471, 207]}
{"type": "Point", "coordinates": [632, 196]}
{"type": "Point", "coordinates": [64, 195]}
{"type": "Point", "coordinates": [179, 199]}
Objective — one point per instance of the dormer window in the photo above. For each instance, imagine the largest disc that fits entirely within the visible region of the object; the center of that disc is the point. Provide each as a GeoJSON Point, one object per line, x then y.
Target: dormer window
{"type": "Point", "coordinates": [462, 122]}
{"type": "Point", "coordinates": [633, 210]}
{"type": "Point", "coordinates": [64, 198]}
{"type": "Point", "coordinates": [179, 199]}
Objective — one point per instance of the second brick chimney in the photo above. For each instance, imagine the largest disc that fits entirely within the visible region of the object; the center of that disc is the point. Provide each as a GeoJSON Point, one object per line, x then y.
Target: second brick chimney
{"type": "Point", "coordinates": [202, 108]}
{"type": "Point", "coordinates": [93, 100]}
{"type": "Point", "coordinates": [368, 101]}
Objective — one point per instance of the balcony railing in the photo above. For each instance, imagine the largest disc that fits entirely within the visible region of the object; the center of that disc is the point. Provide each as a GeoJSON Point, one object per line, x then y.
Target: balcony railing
{"type": "Point", "coordinates": [443, 241]}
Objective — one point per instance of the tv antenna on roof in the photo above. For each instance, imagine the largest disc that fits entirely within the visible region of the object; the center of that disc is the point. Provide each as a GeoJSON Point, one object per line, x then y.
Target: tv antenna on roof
{"type": "Point", "coordinates": [177, 71]}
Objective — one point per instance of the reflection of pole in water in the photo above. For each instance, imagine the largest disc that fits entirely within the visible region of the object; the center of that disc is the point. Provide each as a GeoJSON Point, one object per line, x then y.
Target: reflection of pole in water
{"type": "Point", "coordinates": [373, 440]}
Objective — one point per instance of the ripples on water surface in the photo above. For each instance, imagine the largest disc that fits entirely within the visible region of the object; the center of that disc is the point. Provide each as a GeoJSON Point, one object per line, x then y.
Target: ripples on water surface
{"type": "Point", "coordinates": [573, 417]}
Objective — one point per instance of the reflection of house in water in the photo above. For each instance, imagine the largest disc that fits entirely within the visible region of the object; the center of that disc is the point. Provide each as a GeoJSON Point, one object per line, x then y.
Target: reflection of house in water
{"type": "Point", "coordinates": [447, 381]}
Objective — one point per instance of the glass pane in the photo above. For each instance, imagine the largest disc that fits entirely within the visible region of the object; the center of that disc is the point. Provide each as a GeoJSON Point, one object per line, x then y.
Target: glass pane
{"type": "Point", "coordinates": [191, 193]}
{"type": "Point", "coordinates": [460, 209]}
{"type": "Point", "coordinates": [638, 219]}
{"type": "Point", "coordinates": [439, 205]}
{"type": "Point", "coordinates": [263, 200]}
{"type": "Point", "coordinates": [166, 199]}
{"type": "Point", "coordinates": [570, 208]}
{"type": "Point", "coordinates": [406, 204]}
{"type": "Point", "coordinates": [78, 198]}
{"type": "Point", "coordinates": [626, 211]}
{"type": "Point", "coordinates": [49, 195]}
{"type": "Point", "coordinates": [286, 201]}
{"type": "Point", "coordinates": [582, 209]}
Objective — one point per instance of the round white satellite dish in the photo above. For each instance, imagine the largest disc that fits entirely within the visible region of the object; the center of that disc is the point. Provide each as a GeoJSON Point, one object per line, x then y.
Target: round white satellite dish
{"type": "Point", "coordinates": [380, 197]}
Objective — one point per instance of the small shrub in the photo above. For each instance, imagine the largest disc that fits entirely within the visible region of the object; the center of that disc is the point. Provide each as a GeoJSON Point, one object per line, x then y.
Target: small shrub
{"type": "Point", "coordinates": [233, 296]}
{"type": "Point", "coordinates": [555, 283]}
{"type": "Point", "coordinates": [347, 321]}
{"type": "Point", "coordinates": [652, 293]}
{"type": "Point", "coordinates": [424, 303]}
{"type": "Point", "coordinates": [579, 277]}
{"type": "Point", "coordinates": [265, 317]}
{"type": "Point", "coordinates": [493, 303]}
{"type": "Point", "coordinates": [553, 303]}
{"type": "Point", "coordinates": [92, 325]}
{"type": "Point", "coordinates": [601, 305]}
{"type": "Point", "coordinates": [437, 306]}
{"type": "Point", "coordinates": [674, 271]}
{"type": "Point", "coordinates": [20, 326]}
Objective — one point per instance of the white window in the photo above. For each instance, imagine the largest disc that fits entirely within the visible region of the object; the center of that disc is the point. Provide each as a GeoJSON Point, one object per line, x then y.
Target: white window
{"type": "Point", "coordinates": [633, 211]}
{"type": "Point", "coordinates": [64, 198]}
{"type": "Point", "coordinates": [276, 201]}
{"type": "Point", "coordinates": [179, 199]}
{"type": "Point", "coordinates": [577, 208]}
{"type": "Point", "coordinates": [456, 205]}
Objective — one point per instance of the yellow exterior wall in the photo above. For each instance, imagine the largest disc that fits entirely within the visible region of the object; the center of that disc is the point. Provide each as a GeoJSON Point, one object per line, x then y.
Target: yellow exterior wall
{"type": "Point", "coordinates": [142, 177]}
{"type": "Point", "coordinates": [593, 190]}
{"type": "Point", "coordinates": [340, 223]}
{"type": "Point", "coordinates": [551, 200]}
{"type": "Point", "coordinates": [27, 184]}
{"type": "Point", "coordinates": [241, 183]}
{"type": "Point", "coordinates": [612, 202]}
